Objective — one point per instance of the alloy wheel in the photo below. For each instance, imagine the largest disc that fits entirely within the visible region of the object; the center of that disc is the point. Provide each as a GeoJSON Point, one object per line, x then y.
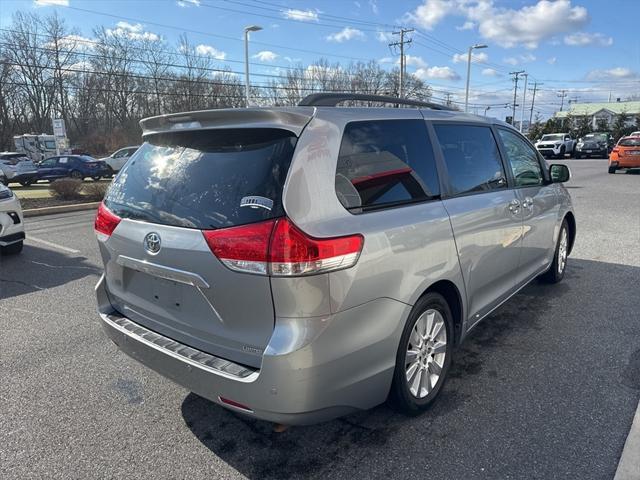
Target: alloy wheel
{"type": "Point", "coordinates": [426, 352]}
{"type": "Point", "coordinates": [562, 250]}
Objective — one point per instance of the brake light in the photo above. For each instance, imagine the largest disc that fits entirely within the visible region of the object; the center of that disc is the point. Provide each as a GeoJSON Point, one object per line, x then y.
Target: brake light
{"type": "Point", "coordinates": [105, 223]}
{"type": "Point", "coordinates": [279, 248]}
{"type": "Point", "coordinates": [244, 248]}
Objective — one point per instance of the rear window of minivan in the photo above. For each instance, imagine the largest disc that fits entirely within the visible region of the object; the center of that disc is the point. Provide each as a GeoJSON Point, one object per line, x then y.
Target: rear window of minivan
{"type": "Point", "coordinates": [205, 179]}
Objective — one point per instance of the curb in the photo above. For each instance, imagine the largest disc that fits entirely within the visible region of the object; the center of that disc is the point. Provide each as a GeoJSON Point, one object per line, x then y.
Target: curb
{"type": "Point", "coordinates": [36, 212]}
{"type": "Point", "coordinates": [629, 466]}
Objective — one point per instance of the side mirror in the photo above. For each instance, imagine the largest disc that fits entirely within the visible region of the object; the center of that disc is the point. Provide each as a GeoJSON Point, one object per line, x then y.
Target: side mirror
{"type": "Point", "coordinates": [559, 173]}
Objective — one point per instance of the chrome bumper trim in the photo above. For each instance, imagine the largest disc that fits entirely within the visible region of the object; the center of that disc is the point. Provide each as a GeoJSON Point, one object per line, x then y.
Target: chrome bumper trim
{"type": "Point", "coordinates": [184, 353]}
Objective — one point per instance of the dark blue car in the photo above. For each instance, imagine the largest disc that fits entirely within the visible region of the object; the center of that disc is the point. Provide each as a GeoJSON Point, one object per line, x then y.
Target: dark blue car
{"type": "Point", "coordinates": [74, 166]}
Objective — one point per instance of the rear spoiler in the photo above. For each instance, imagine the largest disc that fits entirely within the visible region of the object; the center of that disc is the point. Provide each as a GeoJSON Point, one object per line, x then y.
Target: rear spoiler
{"type": "Point", "coordinates": [291, 119]}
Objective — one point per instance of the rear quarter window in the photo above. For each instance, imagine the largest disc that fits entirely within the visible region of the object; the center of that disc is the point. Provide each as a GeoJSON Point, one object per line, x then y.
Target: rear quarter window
{"type": "Point", "coordinates": [205, 179]}
{"type": "Point", "coordinates": [385, 163]}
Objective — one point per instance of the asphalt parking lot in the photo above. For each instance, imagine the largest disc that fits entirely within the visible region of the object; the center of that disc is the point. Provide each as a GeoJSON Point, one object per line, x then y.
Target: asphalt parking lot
{"type": "Point", "coordinates": [546, 387]}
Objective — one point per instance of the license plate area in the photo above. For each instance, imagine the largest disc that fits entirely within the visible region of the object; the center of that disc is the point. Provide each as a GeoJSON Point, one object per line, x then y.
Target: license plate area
{"type": "Point", "coordinates": [165, 294]}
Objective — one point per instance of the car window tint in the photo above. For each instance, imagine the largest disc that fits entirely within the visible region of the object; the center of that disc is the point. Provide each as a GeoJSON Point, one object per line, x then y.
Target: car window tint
{"type": "Point", "coordinates": [205, 179]}
{"type": "Point", "coordinates": [49, 162]}
{"type": "Point", "coordinates": [522, 159]}
{"type": "Point", "coordinates": [472, 158]}
{"type": "Point", "coordinates": [385, 163]}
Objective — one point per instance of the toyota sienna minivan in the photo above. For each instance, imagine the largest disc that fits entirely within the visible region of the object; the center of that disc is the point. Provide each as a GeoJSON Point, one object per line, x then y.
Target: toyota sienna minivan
{"type": "Point", "coordinates": [297, 264]}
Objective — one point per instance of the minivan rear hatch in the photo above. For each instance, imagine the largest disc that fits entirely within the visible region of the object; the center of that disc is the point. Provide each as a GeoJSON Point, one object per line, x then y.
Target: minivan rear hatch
{"type": "Point", "coordinates": [160, 271]}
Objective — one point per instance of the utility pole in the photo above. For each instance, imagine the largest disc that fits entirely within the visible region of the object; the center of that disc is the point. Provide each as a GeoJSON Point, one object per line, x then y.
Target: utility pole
{"type": "Point", "coordinates": [524, 99]}
{"type": "Point", "coordinates": [515, 93]}
{"type": "Point", "coordinates": [533, 100]}
{"type": "Point", "coordinates": [562, 94]}
{"type": "Point", "coordinates": [448, 99]}
{"type": "Point", "coordinates": [401, 44]}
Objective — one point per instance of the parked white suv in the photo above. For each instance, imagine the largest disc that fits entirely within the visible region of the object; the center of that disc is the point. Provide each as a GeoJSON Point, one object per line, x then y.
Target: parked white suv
{"type": "Point", "coordinates": [11, 222]}
{"type": "Point", "coordinates": [556, 145]}
{"type": "Point", "coordinates": [117, 159]}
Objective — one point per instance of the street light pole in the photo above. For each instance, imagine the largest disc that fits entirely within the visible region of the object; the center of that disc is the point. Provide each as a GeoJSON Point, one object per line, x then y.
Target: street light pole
{"type": "Point", "coordinates": [250, 28]}
{"type": "Point", "coordinates": [466, 95]}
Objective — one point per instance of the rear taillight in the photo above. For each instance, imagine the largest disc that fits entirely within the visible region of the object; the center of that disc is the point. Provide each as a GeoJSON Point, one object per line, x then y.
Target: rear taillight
{"type": "Point", "coordinates": [243, 248]}
{"type": "Point", "coordinates": [279, 248]}
{"type": "Point", "coordinates": [106, 222]}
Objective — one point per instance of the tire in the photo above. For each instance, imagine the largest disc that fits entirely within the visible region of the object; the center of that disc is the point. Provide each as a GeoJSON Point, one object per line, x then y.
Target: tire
{"type": "Point", "coordinates": [431, 310]}
{"type": "Point", "coordinates": [76, 174]}
{"type": "Point", "coordinates": [13, 249]}
{"type": "Point", "coordinates": [559, 265]}
{"type": "Point", "coordinates": [612, 169]}
{"type": "Point", "coordinates": [562, 151]}
{"type": "Point", "coordinates": [26, 183]}
{"type": "Point", "coordinates": [4, 181]}
{"type": "Point", "coordinates": [96, 179]}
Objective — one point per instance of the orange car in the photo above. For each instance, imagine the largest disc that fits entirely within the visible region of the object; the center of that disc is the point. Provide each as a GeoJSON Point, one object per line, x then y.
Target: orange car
{"type": "Point", "coordinates": [626, 154]}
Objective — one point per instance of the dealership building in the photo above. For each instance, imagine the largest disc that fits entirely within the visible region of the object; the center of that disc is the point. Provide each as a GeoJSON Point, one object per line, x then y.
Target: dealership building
{"type": "Point", "coordinates": [608, 111]}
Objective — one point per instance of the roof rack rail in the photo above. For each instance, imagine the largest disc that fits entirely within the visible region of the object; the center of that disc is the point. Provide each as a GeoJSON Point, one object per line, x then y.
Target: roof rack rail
{"type": "Point", "coordinates": [333, 99]}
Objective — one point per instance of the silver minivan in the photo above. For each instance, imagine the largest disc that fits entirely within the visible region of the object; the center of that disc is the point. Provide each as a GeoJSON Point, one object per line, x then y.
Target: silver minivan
{"type": "Point", "coordinates": [297, 264]}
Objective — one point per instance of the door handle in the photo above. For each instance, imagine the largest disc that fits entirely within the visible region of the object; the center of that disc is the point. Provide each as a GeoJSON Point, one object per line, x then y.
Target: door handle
{"type": "Point", "coordinates": [514, 206]}
{"type": "Point", "coordinates": [527, 203]}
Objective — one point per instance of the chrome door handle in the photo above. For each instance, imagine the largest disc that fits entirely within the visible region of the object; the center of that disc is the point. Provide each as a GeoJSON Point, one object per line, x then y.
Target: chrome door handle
{"type": "Point", "coordinates": [514, 206]}
{"type": "Point", "coordinates": [527, 203]}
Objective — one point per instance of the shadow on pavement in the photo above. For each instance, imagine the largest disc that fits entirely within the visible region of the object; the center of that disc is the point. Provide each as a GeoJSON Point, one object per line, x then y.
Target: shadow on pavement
{"type": "Point", "coordinates": [485, 382]}
{"type": "Point", "coordinates": [39, 269]}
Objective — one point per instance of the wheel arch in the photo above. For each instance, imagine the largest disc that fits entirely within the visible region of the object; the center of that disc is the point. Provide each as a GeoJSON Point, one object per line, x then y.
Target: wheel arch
{"type": "Point", "coordinates": [571, 222]}
{"type": "Point", "coordinates": [452, 295]}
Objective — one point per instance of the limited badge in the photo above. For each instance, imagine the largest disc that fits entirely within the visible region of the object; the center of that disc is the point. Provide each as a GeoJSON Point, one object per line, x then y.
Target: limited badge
{"type": "Point", "coordinates": [257, 202]}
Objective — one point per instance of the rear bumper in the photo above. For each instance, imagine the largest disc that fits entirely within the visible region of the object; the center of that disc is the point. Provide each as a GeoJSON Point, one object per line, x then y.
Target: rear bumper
{"type": "Point", "coordinates": [622, 162]}
{"type": "Point", "coordinates": [313, 369]}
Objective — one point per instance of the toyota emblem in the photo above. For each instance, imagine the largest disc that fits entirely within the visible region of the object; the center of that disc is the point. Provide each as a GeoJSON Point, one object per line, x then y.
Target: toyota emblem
{"type": "Point", "coordinates": [152, 243]}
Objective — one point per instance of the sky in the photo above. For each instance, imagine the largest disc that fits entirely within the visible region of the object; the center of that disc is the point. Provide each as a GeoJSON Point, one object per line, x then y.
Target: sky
{"type": "Point", "coordinates": [588, 48]}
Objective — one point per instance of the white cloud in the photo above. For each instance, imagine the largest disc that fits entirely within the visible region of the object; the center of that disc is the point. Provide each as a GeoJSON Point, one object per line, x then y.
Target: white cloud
{"type": "Point", "coordinates": [46, 3]}
{"type": "Point", "coordinates": [265, 56]}
{"type": "Point", "coordinates": [618, 73]}
{"type": "Point", "coordinates": [292, 59]}
{"type": "Point", "coordinates": [301, 15]}
{"type": "Point", "coordinates": [507, 27]}
{"type": "Point", "coordinates": [552, 60]}
{"type": "Point", "coordinates": [414, 61]}
{"type": "Point", "coordinates": [466, 26]}
{"type": "Point", "coordinates": [583, 39]}
{"type": "Point", "coordinates": [442, 73]}
{"type": "Point", "coordinates": [431, 12]}
{"type": "Point", "coordinates": [374, 6]}
{"type": "Point", "coordinates": [134, 31]}
{"type": "Point", "coordinates": [188, 3]}
{"type": "Point", "coordinates": [211, 51]}
{"type": "Point", "coordinates": [475, 57]}
{"type": "Point", "coordinates": [384, 37]}
{"type": "Point", "coordinates": [529, 25]}
{"type": "Point", "coordinates": [526, 58]}
{"type": "Point", "coordinates": [346, 34]}
{"type": "Point", "coordinates": [71, 42]}
{"type": "Point", "coordinates": [490, 72]}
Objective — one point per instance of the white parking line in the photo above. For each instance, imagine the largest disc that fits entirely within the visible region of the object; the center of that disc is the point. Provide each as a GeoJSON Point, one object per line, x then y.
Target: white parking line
{"type": "Point", "coordinates": [629, 466]}
{"type": "Point", "coordinates": [53, 245]}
